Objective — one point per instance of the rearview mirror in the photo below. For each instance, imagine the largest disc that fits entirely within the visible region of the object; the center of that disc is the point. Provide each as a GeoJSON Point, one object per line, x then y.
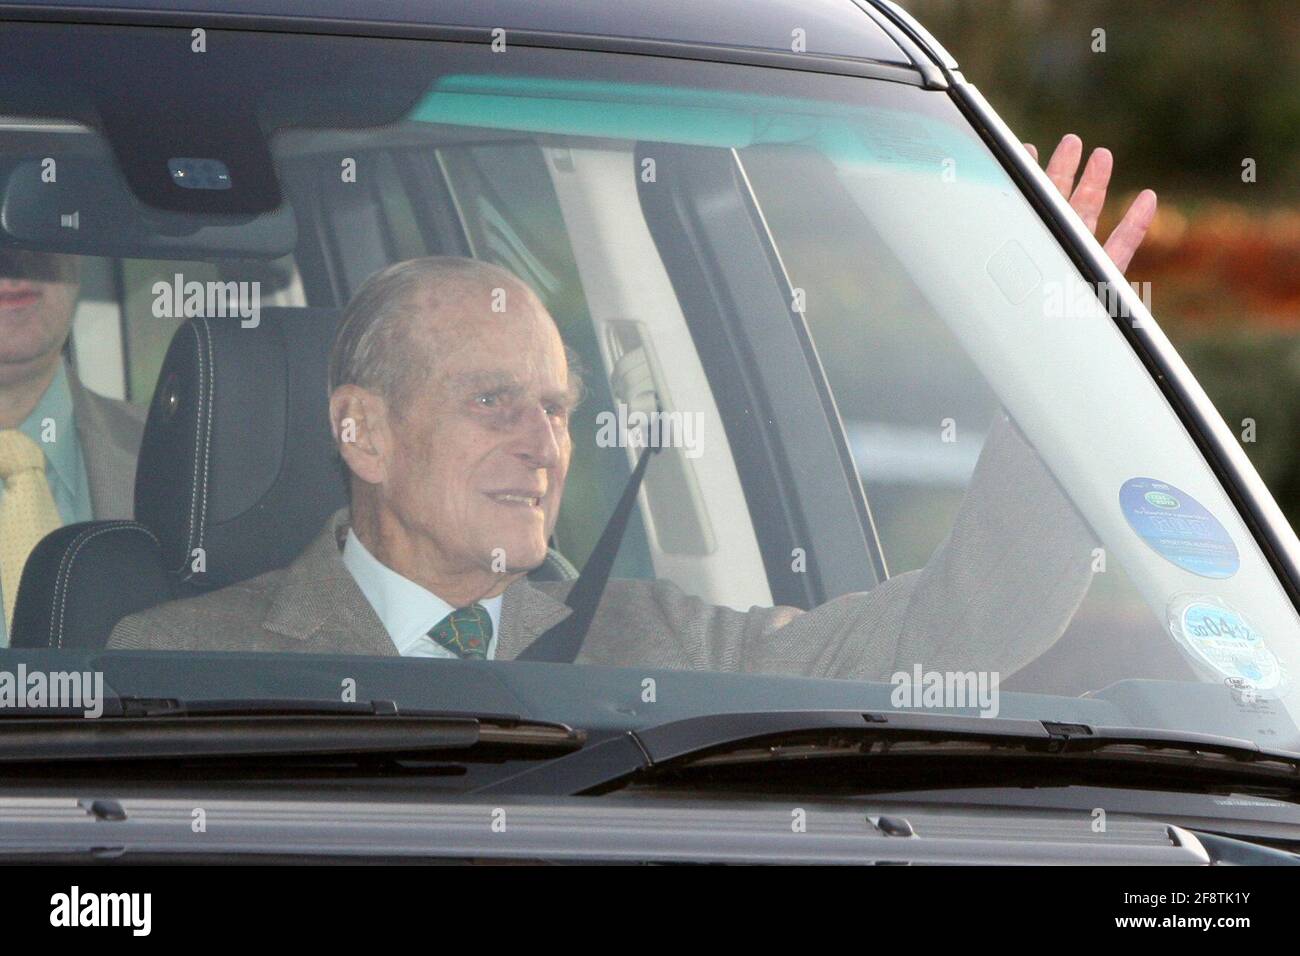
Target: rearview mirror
{"type": "Point", "coordinates": [84, 207]}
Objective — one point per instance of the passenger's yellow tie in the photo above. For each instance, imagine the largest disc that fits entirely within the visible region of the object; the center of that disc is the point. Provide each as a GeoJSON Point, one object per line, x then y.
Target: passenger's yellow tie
{"type": "Point", "coordinates": [27, 510]}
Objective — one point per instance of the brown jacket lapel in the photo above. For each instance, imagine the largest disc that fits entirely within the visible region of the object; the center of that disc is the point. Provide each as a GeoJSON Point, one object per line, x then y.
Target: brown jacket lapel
{"type": "Point", "coordinates": [527, 612]}
{"type": "Point", "coordinates": [318, 600]}
{"type": "Point", "coordinates": [110, 433]}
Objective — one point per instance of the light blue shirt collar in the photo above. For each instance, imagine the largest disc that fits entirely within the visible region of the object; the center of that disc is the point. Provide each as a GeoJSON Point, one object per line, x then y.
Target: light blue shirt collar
{"type": "Point", "coordinates": [407, 610]}
{"type": "Point", "coordinates": [52, 427]}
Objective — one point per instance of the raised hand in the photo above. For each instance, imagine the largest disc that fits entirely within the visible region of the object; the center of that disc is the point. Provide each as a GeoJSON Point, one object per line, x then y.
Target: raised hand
{"type": "Point", "coordinates": [1089, 195]}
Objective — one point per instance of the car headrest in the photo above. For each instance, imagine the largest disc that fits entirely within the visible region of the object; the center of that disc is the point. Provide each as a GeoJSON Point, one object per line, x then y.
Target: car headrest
{"type": "Point", "coordinates": [237, 471]}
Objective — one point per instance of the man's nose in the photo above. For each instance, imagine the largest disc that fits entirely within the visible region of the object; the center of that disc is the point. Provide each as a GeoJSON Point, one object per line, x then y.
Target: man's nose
{"type": "Point", "coordinates": [539, 444]}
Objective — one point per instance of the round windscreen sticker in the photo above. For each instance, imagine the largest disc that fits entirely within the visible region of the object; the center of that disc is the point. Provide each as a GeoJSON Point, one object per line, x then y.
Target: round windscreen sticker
{"type": "Point", "coordinates": [1221, 638]}
{"type": "Point", "coordinates": [1179, 528]}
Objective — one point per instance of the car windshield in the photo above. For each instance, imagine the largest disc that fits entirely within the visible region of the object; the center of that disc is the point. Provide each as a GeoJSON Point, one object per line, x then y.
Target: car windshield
{"type": "Point", "coordinates": [404, 317]}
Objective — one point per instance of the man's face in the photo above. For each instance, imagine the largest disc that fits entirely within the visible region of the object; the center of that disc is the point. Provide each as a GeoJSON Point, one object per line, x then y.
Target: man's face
{"type": "Point", "coordinates": [480, 454]}
{"type": "Point", "coordinates": [38, 293]}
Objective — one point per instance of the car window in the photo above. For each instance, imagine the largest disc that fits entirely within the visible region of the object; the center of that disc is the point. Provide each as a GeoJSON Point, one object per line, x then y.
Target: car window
{"type": "Point", "coordinates": [507, 204]}
{"type": "Point", "coordinates": [895, 368]}
{"type": "Point", "coordinates": [148, 323]}
{"type": "Point", "coordinates": [429, 308]}
{"type": "Point", "coordinates": [119, 332]}
{"type": "Point", "coordinates": [917, 410]}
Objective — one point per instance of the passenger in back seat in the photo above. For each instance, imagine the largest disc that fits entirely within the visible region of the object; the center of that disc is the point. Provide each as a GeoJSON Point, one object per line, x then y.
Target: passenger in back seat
{"type": "Point", "coordinates": [66, 453]}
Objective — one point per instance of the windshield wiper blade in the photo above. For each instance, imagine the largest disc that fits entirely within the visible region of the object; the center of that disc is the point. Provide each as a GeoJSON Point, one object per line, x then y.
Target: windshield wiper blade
{"type": "Point", "coordinates": [754, 740]}
{"type": "Point", "coordinates": [170, 729]}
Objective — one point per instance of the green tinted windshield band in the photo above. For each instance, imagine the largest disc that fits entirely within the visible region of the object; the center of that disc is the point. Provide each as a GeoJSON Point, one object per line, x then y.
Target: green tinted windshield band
{"type": "Point", "coordinates": [699, 117]}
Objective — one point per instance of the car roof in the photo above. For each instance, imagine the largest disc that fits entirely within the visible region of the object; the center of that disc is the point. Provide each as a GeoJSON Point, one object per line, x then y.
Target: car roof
{"type": "Point", "coordinates": [830, 28]}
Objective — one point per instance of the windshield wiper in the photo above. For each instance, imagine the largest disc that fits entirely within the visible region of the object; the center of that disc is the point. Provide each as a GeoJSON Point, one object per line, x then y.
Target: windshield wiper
{"type": "Point", "coordinates": [167, 729]}
{"type": "Point", "coordinates": [901, 749]}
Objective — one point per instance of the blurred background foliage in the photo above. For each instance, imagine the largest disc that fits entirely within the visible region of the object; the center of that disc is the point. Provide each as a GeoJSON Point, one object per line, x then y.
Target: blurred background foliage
{"type": "Point", "coordinates": [1184, 92]}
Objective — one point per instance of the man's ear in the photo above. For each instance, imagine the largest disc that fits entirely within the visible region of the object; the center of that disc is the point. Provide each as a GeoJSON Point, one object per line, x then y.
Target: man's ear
{"type": "Point", "coordinates": [359, 419]}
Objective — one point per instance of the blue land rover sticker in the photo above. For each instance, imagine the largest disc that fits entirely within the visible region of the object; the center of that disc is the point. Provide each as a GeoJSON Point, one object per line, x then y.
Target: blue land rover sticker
{"type": "Point", "coordinates": [1178, 528]}
{"type": "Point", "coordinates": [1221, 638]}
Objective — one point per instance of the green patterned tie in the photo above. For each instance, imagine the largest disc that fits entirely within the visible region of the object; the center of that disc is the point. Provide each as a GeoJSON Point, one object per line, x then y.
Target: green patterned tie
{"type": "Point", "coordinates": [466, 632]}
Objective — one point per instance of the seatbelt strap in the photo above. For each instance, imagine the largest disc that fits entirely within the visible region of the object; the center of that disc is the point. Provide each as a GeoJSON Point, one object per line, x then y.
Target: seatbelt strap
{"type": "Point", "coordinates": [562, 643]}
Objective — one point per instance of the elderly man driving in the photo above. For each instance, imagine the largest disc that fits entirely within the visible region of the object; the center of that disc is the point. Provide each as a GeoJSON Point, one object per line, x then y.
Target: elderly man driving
{"type": "Point", "coordinates": [453, 421]}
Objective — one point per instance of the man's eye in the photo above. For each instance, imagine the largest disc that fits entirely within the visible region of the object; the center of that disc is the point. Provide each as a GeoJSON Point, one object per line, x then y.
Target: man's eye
{"type": "Point", "coordinates": [488, 400]}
